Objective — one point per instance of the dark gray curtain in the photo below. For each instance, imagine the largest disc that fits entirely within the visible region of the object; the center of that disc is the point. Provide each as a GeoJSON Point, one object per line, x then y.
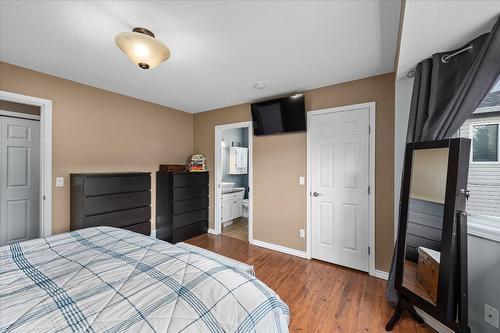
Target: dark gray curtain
{"type": "Point", "coordinates": [445, 94]}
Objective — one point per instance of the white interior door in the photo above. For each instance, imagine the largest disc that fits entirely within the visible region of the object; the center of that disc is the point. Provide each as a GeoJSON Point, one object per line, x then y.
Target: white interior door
{"type": "Point", "coordinates": [19, 179]}
{"type": "Point", "coordinates": [339, 185]}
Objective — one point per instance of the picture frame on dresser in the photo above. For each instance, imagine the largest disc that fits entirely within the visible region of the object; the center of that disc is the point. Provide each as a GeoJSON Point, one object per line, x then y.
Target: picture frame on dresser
{"type": "Point", "coordinates": [121, 200]}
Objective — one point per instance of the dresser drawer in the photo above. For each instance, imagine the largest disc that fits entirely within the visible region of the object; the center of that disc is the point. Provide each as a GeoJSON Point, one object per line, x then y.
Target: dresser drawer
{"type": "Point", "coordinates": [136, 183]}
{"type": "Point", "coordinates": [189, 231]}
{"type": "Point", "coordinates": [119, 219]}
{"type": "Point", "coordinates": [113, 185]}
{"type": "Point", "coordinates": [190, 218]}
{"type": "Point", "coordinates": [189, 179]}
{"type": "Point", "coordinates": [141, 228]}
{"type": "Point", "coordinates": [181, 207]}
{"type": "Point", "coordinates": [102, 185]}
{"type": "Point", "coordinates": [115, 202]}
{"type": "Point", "coordinates": [186, 193]}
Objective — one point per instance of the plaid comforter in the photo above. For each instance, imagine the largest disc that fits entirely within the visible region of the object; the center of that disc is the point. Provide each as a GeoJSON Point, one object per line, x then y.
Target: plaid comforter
{"type": "Point", "coordinates": [112, 280]}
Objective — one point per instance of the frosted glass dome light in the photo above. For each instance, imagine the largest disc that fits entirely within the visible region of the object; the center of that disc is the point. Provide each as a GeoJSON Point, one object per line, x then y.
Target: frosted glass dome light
{"type": "Point", "coordinates": [142, 48]}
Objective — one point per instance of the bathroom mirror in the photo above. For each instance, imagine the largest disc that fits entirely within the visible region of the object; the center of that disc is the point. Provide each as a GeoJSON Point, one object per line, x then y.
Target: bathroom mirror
{"type": "Point", "coordinates": [433, 192]}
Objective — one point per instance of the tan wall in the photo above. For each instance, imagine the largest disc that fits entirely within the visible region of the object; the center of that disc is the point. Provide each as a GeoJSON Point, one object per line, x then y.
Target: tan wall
{"type": "Point", "coordinates": [429, 173]}
{"type": "Point", "coordinates": [279, 200]}
{"type": "Point", "coordinates": [96, 130]}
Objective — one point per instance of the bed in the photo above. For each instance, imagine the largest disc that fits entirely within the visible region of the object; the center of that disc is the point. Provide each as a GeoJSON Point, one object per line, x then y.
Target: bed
{"type": "Point", "coordinates": [112, 280]}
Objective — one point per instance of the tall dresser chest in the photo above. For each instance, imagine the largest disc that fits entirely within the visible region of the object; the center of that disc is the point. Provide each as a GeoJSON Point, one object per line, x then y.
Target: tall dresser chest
{"type": "Point", "coordinates": [181, 205]}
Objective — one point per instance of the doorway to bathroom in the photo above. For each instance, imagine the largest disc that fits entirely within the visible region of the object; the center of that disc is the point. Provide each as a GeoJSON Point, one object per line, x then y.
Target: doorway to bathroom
{"type": "Point", "coordinates": [233, 177]}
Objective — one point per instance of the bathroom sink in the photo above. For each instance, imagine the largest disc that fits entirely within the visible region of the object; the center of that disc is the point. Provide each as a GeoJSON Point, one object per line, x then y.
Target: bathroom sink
{"type": "Point", "coordinates": [238, 189]}
{"type": "Point", "coordinates": [226, 187]}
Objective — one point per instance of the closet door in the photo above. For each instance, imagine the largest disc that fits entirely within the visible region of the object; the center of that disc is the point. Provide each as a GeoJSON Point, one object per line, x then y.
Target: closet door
{"type": "Point", "coordinates": [19, 179]}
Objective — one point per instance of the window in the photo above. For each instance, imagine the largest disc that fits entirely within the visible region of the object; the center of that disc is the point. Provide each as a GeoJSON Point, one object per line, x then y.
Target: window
{"type": "Point", "coordinates": [485, 143]}
{"type": "Point", "coordinates": [483, 128]}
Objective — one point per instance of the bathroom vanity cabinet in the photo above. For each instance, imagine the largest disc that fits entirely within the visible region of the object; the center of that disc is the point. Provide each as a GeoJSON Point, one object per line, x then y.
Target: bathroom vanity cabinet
{"type": "Point", "coordinates": [232, 205]}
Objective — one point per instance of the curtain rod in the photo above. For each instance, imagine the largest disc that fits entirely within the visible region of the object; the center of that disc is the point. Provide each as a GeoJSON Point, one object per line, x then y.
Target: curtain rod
{"type": "Point", "coordinates": [445, 58]}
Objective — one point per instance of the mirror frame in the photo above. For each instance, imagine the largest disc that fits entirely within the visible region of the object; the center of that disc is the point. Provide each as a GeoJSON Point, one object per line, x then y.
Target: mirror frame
{"type": "Point", "coordinates": [445, 308]}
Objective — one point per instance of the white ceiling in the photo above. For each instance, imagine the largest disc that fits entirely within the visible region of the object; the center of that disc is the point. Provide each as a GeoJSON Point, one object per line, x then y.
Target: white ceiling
{"type": "Point", "coordinates": [220, 49]}
{"type": "Point", "coordinates": [437, 26]}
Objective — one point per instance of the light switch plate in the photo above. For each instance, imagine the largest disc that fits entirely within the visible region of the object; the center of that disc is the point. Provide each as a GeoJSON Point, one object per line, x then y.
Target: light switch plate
{"type": "Point", "coordinates": [59, 181]}
{"type": "Point", "coordinates": [301, 180]}
{"type": "Point", "coordinates": [491, 315]}
{"type": "Point", "coordinates": [302, 233]}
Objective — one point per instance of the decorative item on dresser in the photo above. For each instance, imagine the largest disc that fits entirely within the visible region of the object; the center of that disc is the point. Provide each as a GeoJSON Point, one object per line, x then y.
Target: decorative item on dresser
{"type": "Point", "coordinates": [181, 205]}
{"type": "Point", "coordinates": [121, 200]}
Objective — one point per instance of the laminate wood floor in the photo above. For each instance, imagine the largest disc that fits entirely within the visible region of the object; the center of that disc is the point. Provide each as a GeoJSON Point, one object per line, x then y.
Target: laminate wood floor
{"type": "Point", "coordinates": [322, 297]}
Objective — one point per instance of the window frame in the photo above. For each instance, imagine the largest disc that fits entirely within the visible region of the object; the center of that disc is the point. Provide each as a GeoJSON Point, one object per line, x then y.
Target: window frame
{"type": "Point", "coordinates": [471, 136]}
{"type": "Point", "coordinates": [479, 225]}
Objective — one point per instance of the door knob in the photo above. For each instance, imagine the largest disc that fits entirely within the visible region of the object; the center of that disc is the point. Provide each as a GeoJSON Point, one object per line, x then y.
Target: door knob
{"type": "Point", "coordinates": [316, 194]}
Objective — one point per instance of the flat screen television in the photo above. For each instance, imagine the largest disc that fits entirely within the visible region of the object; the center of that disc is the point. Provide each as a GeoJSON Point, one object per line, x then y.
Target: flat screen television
{"type": "Point", "coordinates": [281, 115]}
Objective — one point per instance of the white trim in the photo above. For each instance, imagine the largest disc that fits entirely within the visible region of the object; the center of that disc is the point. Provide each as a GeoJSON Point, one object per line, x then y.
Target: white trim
{"type": "Point", "coordinates": [433, 322]}
{"type": "Point", "coordinates": [45, 155]}
{"type": "Point", "coordinates": [226, 224]}
{"type": "Point", "coordinates": [371, 179]}
{"type": "Point", "coordinates": [218, 174]}
{"type": "Point", "coordinates": [278, 248]}
{"type": "Point", "coordinates": [371, 210]}
{"type": "Point", "coordinates": [484, 230]}
{"type": "Point", "coordinates": [381, 275]}
{"type": "Point", "coordinates": [211, 231]}
{"type": "Point", "coordinates": [153, 233]}
{"type": "Point", "coordinates": [19, 115]}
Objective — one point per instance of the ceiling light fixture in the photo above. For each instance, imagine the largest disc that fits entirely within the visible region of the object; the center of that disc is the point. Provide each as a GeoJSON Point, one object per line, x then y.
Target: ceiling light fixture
{"type": "Point", "coordinates": [142, 47]}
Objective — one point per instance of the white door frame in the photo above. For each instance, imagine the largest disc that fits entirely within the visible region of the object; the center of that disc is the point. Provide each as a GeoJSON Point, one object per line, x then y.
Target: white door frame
{"type": "Point", "coordinates": [218, 175]}
{"type": "Point", "coordinates": [45, 106]}
{"type": "Point", "coordinates": [371, 178]}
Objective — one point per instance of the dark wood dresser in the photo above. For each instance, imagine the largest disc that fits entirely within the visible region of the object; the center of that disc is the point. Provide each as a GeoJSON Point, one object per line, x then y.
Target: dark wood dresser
{"type": "Point", "coordinates": [121, 200]}
{"type": "Point", "coordinates": [181, 205]}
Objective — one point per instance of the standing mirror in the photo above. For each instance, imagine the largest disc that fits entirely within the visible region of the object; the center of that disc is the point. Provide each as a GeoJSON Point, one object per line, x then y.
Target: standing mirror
{"type": "Point", "coordinates": [429, 256]}
{"type": "Point", "coordinates": [425, 222]}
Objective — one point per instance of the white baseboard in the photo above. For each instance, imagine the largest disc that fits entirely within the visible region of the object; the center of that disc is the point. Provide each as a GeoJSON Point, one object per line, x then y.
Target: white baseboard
{"type": "Point", "coordinates": [211, 231]}
{"type": "Point", "coordinates": [381, 275]}
{"type": "Point", "coordinates": [278, 248]}
{"type": "Point", "coordinates": [227, 224]}
{"type": "Point", "coordinates": [433, 322]}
